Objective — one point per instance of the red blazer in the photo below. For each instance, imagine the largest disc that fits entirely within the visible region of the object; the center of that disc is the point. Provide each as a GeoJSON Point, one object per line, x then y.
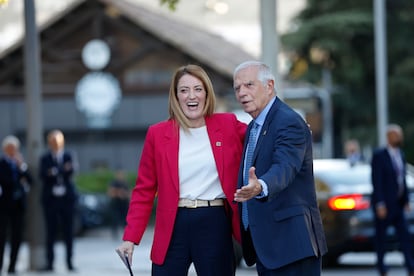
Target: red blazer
{"type": "Point", "coordinates": [158, 175]}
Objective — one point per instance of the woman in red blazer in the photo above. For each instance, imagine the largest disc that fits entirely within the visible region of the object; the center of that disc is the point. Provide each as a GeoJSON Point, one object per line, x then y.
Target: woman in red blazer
{"type": "Point", "coordinates": [190, 162]}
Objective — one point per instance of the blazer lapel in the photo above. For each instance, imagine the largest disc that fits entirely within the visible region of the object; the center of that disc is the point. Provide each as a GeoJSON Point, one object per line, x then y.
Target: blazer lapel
{"type": "Point", "coordinates": [216, 142]}
{"type": "Point", "coordinates": [171, 145]}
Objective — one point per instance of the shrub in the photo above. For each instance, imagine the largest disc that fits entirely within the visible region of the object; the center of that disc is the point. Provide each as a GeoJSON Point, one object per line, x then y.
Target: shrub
{"type": "Point", "coordinates": [98, 181]}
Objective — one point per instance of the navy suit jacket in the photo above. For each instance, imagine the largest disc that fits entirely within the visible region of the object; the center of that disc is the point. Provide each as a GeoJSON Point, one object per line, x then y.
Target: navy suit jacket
{"type": "Point", "coordinates": [13, 190]}
{"type": "Point", "coordinates": [286, 225]}
{"type": "Point", "coordinates": [47, 162]}
{"type": "Point", "coordinates": [385, 185]}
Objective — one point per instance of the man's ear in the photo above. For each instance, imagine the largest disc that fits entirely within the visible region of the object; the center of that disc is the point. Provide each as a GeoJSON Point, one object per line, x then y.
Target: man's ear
{"type": "Point", "coordinates": [270, 86]}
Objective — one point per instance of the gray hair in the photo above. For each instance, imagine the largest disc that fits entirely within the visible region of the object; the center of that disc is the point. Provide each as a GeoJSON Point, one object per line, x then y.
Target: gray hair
{"type": "Point", "coordinates": [394, 128]}
{"type": "Point", "coordinates": [264, 73]}
{"type": "Point", "coordinates": [10, 140]}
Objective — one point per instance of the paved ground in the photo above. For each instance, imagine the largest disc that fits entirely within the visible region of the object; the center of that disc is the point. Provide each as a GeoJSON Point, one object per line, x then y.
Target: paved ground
{"type": "Point", "coordinates": [95, 255]}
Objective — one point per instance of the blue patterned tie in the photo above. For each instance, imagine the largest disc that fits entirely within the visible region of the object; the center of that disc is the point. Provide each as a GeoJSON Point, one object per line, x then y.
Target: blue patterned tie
{"type": "Point", "coordinates": [249, 159]}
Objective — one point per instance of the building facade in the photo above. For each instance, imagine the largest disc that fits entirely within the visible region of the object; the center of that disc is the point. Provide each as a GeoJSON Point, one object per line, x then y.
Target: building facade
{"type": "Point", "coordinates": [104, 101]}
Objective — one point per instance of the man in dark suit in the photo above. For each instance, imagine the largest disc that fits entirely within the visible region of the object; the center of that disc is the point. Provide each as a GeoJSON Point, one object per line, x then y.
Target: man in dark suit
{"type": "Point", "coordinates": [282, 230]}
{"type": "Point", "coordinates": [58, 196]}
{"type": "Point", "coordinates": [15, 182]}
{"type": "Point", "coordinates": [390, 197]}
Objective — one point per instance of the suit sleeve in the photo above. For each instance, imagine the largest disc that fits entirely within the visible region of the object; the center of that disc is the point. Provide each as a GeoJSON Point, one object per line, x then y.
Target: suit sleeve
{"type": "Point", "coordinates": [377, 179]}
{"type": "Point", "coordinates": [289, 146]}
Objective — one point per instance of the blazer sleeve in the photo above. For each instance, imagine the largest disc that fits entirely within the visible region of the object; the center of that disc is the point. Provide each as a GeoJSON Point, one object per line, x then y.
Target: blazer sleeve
{"type": "Point", "coordinates": [143, 194]}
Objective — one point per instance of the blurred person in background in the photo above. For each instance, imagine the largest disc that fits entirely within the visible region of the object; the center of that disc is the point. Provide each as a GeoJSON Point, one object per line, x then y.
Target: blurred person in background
{"type": "Point", "coordinates": [190, 162]}
{"type": "Point", "coordinates": [353, 152]}
{"type": "Point", "coordinates": [15, 181]}
{"type": "Point", "coordinates": [281, 227]}
{"type": "Point", "coordinates": [58, 196]}
{"type": "Point", "coordinates": [390, 197]}
{"type": "Point", "coordinates": [118, 193]}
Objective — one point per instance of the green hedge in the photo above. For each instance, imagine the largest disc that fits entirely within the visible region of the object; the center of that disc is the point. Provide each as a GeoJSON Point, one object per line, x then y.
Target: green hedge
{"type": "Point", "coordinates": [98, 181]}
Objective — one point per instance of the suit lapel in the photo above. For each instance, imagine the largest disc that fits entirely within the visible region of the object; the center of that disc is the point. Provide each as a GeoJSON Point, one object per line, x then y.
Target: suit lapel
{"type": "Point", "coordinates": [264, 131]}
{"type": "Point", "coordinates": [241, 167]}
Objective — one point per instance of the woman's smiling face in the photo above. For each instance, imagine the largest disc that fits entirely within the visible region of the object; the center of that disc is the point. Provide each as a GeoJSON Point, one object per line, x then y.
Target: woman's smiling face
{"type": "Point", "coordinates": [191, 96]}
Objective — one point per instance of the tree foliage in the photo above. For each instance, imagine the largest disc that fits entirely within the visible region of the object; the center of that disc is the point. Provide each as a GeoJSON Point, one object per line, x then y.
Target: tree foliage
{"type": "Point", "coordinates": [339, 36]}
{"type": "Point", "coordinates": [172, 4]}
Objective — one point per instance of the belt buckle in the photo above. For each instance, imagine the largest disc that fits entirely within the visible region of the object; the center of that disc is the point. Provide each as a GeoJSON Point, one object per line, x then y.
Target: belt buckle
{"type": "Point", "coordinates": [195, 204]}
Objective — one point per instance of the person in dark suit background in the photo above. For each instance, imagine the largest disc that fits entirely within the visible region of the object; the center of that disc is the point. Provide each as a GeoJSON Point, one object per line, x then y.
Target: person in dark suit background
{"type": "Point", "coordinates": [352, 152]}
{"type": "Point", "coordinates": [119, 194]}
{"type": "Point", "coordinates": [283, 232]}
{"type": "Point", "coordinates": [390, 197]}
{"type": "Point", "coordinates": [15, 181]}
{"type": "Point", "coordinates": [58, 196]}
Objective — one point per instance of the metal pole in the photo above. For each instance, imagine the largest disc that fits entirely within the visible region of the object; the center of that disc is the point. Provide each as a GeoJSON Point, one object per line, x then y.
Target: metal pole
{"type": "Point", "coordinates": [34, 133]}
{"type": "Point", "coordinates": [327, 136]}
{"type": "Point", "coordinates": [270, 41]}
{"type": "Point", "coordinates": [381, 69]}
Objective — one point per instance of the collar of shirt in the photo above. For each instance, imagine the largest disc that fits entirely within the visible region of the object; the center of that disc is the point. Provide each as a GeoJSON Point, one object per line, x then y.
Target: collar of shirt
{"type": "Point", "coordinates": [262, 116]}
{"type": "Point", "coordinates": [393, 151]}
{"type": "Point", "coordinates": [58, 155]}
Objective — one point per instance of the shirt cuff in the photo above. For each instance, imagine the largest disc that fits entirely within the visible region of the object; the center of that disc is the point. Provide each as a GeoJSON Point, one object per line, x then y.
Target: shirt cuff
{"type": "Point", "coordinates": [265, 190]}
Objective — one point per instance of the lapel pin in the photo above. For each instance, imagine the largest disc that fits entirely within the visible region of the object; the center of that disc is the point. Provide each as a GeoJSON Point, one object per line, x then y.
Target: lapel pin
{"type": "Point", "coordinates": [218, 144]}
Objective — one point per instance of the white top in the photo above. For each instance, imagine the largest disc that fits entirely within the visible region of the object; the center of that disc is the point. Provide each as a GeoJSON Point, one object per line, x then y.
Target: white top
{"type": "Point", "coordinates": [197, 168]}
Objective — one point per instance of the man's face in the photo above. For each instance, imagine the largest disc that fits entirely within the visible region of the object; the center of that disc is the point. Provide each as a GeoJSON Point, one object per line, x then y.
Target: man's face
{"type": "Point", "coordinates": [250, 91]}
{"type": "Point", "coordinates": [395, 138]}
{"type": "Point", "coordinates": [56, 142]}
{"type": "Point", "coordinates": [10, 150]}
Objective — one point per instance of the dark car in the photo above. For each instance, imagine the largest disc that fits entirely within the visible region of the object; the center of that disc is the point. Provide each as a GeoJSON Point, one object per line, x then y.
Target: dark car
{"type": "Point", "coordinates": [343, 192]}
{"type": "Point", "coordinates": [92, 212]}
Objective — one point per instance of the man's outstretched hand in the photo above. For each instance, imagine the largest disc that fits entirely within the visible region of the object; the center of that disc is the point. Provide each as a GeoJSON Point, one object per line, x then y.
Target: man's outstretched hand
{"type": "Point", "coordinates": [249, 191]}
